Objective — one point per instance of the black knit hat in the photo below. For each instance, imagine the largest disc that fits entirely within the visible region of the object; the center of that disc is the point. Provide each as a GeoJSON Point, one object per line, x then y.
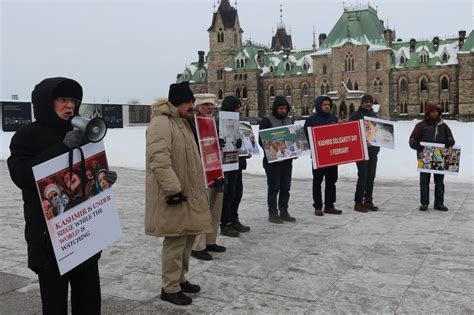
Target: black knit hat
{"type": "Point", "coordinates": [67, 88]}
{"type": "Point", "coordinates": [180, 93]}
{"type": "Point", "coordinates": [366, 97]}
{"type": "Point", "coordinates": [230, 103]}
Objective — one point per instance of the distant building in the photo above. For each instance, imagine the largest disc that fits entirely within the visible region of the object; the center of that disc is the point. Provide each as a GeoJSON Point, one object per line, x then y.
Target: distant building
{"type": "Point", "coordinates": [359, 55]}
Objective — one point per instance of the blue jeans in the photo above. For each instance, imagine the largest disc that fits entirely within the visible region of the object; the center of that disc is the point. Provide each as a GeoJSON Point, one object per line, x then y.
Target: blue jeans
{"type": "Point", "coordinates": [425, 189]}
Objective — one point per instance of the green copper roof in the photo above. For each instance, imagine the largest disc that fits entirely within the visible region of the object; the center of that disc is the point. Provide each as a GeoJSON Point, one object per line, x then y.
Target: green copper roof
{"type": "Point", "coordinates": [361, 26]}
{"type": "Point", "coordinates": [248, 54]}
{"type": "Point", "coordinates": [446, 47]}
{"type": "Point", "coordinates": [468, 44]}
{"type": "Point", "coordinates": [300, 63]}
{"type": "Point", "coordinates": [194, 74]}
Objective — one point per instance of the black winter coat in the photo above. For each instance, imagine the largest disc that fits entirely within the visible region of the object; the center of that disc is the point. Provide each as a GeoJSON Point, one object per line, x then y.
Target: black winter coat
{"type": "Point", "coordinates": [33, 144]}
{"type": "Point", "coordinates": [320, 117]}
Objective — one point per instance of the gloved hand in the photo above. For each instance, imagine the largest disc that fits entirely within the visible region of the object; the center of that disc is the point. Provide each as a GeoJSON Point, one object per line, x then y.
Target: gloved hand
{"type": "Point", "coordinates": [176, 198]}
{"type": "Point", "coordinates": [449, 143]}
{"type": "Point", "coordinates": [110, 176]}
{"type": "Point", "coordinates": [238, 143]}
{"type": "Point", "coordinates": [73, 139]}
{"type": "Point", "coordinates": [217, 183]}
{"type": "Point", "coordinates": [417, 146]}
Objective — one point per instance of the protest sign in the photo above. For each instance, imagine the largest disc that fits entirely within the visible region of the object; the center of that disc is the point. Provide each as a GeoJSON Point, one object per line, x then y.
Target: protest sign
{"type": "Point", "coordinates": [437, 159]}
{"type": "Point", "coordinates": [229, 133]}
{"type": "Point", "coordinates": [379, 132]}
{"type": "Point", "coordinates": [209, 148]}
{"type": "Point", "coordinates": [338, 143]}
{"type": "Point", "coordinates": [82, 217]}
{"type": "Point", "coordinates": [283, 143]}
{"type": "Point", "coordinates": [249, 143]}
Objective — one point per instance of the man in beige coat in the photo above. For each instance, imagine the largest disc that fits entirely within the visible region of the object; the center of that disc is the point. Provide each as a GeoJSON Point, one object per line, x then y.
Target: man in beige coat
{"type": "Point", "coordinates": [204, 243]}
{"type": "Point", "coordinates": [176, 204]}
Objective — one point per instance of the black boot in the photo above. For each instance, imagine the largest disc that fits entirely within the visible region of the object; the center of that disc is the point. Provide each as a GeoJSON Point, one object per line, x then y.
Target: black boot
{"type": "Point", "coordinates": [178, 298]}
{"type": "Point", "coordinates": [188, 287]}
{"type": "Point", "coordinates": [285, 216]}
{"type": "Point", "coordinates": [239, 227]}
{"type": "Point", "coordinates": [440, 207]}
{"type": "Point", "coordinates": [275, 219]}
{"type": "Point", "coordinates": [201, 255]}
{"type": "Point", "coordinates": [215, 248]}
{"type": "Point", "coordinates": [423, 207]}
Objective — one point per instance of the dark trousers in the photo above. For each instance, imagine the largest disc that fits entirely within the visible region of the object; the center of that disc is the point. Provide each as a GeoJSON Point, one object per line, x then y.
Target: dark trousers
{"type": "Point", "coordinates": [329, 174]}
{"type": "Point", "coordinates": [365, 182]}
{"type": "Point", "coordinates": [233, 191]}
{"type": "Point", "coordinates": [425, 188]}
{"type": "Point", "coordinates": [85, 290]}
{"type": "Point", "coordinates": [279, 184]}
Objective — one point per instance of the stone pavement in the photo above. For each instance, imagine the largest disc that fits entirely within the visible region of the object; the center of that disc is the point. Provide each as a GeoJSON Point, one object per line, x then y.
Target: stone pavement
{"type": "Point", "coordinates": [398, 260]}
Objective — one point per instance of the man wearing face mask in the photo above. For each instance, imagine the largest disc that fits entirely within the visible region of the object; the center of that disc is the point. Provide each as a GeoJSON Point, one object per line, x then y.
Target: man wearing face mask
{"type": "Point", "coordinates": [176, 204]}
{"type": "Point", "coordinates": [55, 102]}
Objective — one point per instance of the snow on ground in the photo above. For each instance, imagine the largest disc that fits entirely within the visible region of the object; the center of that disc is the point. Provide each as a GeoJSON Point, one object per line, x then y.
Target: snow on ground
{"type": "Point", "coordinates": [126, 148]}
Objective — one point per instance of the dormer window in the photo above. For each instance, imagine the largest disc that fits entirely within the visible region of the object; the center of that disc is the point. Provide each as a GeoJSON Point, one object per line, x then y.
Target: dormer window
{"type": "Point", "coordinates": [402, 60]}
{"type": "Point", "coordinates": [325, 69]}
{"type": "Point", "coordinates": [185, 76]}
{"type": "Point", "coordinates": [445, 57]}
{"type": "Point", "coordinates": [305, 66]}
{"type": "Point", "coordinates": [424, 57]}
{"type": "Point", "coordinates": [272, 69]}
{"type": "Point", "coordinates": [202, 74]}
{"type": "Point", "coordinates": [287, 66]}
{"type": "Point", "coordinates": [240, 62]}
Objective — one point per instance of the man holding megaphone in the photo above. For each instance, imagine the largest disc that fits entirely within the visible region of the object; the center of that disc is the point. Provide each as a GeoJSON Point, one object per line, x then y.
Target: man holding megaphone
{"type": "Point", "coordinates": [55, 102]}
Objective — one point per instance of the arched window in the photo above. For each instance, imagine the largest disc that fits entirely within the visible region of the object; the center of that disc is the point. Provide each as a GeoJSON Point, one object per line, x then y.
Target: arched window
{"type": "Point", "coordinates": [272, 91]}
{"type": "Point", "coordinates": [402, 60]}
{"type": "Point", "coordinates": [245, 76]}
{"type": "Point", "coordinates": [444, 105]}
{"type": "Point", "coordinates": [444, 84]}
{"type": "Point", "coordinates": [244, 93]}
{"type": "Point", "coordinates": [203, 91]}
{"type": "Point", "coordinates": [305, 89]}
{"type": "Point", "coordinates": [220, 36]}
{"type": "Point", "coordinates": [325, 69]}
{"type": "Point", "coordinates": [349, 84]}
{"type": "Point", "coordinates": [220, 73]}
{"type": "Point", "coordinates": [202, 74]}
{"type": "Point", "coordinates": [351, 108]}
{"type": "Point", "coordinates": [403, 107]}
{"type": "Point", "coordinates": [327, 88]}
{"type": "Point", "coordinates": [356, 86]}
{"type": "Point", "coordinates": [403, 86]}
{"type": "Point", "coordinates": [235, 77]}
{"type": "Point", "coordinates": [288, 90]}
{"type": "Point", "coordinates": [237, 63]}
{"type": "Point", "coordinates": [424, 84]}
{"type": "Point", "coordinates": [220, 94]}
{"type": "Point", "coordinates": [305, 66]}
{"type": "Point", "coordinates": [287, 66]}
{"type": "Point", "coordinates": [349, 63]}
{"type": "Point", "coordinates": [240, 76]}
{"type": "Point", "coordinates": [380, 87]}
{"type": "Point", "coordinates": [445, 57]}
{"type": "Point", "coordinates": [343, 110]}
{"type": "Point", "coordinates": [237, 92]}
{"type": "Point", "coordinates": [323, 89]}
{"type": "Point", "coordinates": [422, 107]}
{"type": "Point", "coordinates": [424, 57]}
{"type": "Point", "coordinates": [272, 69]}
{"type": "Point", "coordinates": [377, 66]}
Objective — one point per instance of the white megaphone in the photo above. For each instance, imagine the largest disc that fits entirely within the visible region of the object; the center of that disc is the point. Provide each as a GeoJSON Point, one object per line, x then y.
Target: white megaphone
{"type": "Point", "coordinates": [94, 129]}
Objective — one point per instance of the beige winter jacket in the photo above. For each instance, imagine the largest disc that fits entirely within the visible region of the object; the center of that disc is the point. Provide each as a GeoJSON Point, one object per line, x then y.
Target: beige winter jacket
{"type": "Point", "coordinates": [173, 165]}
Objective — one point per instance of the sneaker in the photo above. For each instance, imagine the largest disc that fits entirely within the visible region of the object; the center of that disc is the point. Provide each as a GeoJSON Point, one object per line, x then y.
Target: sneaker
{"type": "Point", "coordinates": [370, 206]}
{"type": "Point", "coordinates": [441, 207]}
{"type": "Point", "coordinates": [201, 255]}
{"type": "Point", "coordinates": [318, 212]}
{"type": "Point", "coordinates": [239, 227]}
{"type": "Point", "coordinates": [285, 216]}
{"type": "Point", "coordinates": [275, 219]}
{"type": "Point", "coordinates": [188, 287]}
{"type": "Point", "coordinates": [228, 230]}
{"type": "Point", "coordinates": [332, 210]}
{"type": "Point", "coordinates": [423, 207]}
{"type": "Point", "coordinates": [359, 207]}
{"type": "Point", "coordinates": [215, 248]}
{"type": "Point", "coordinates": [178, 298]}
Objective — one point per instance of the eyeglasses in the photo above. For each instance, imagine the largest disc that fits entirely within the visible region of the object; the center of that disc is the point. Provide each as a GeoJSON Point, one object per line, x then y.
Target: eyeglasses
{"type": "Point", "coordinates": [65, 100]}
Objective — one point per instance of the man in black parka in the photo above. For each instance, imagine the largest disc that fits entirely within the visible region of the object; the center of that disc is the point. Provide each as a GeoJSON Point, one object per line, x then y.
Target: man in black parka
{"type": "Point", "coordinates": [55, 102]}
{"type": "Point", "coordinates": [366, 170]}
{"type": "Point", "coordinates": [278, 173]}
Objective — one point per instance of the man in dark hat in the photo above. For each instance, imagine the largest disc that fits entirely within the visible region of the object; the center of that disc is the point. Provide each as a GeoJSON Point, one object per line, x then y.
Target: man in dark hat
{"type": "Point", "coordinates": [365, 169]}
{"type": "Point", "coordinates": [233, 188]}
{"type": "Point", "coordinates": [55, 102]}
{"type": "Point", "coordinates": [176, 203]}
{"type": "Point", "coordinates": [278, 173]}
{"type": "Point", "coordinates": [431, 129]}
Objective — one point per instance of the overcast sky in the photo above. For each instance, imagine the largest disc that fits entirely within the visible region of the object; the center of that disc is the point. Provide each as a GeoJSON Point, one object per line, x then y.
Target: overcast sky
{"type": "Point", "coordinates": [123, 50]}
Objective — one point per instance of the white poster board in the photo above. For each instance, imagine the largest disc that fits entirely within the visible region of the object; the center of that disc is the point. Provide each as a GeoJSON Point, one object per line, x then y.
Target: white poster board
{"type": "Point", "coordinates": [228, 134]}
{"type": "Point", "coordinates": [80, 223]}
{"type": "Point", "coordinates": [379, 132]}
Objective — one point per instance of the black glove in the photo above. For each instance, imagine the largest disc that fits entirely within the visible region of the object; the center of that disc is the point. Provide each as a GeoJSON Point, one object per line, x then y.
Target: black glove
{"type": "Point", "coordinates": [417, 146]}
{"type": "Point", "coordinates": [110, 176]}
{"type": "Point", "coordinates": [238, 143]}
{"type": "Point", "coordinates": [218, 183]}
{"type": "Point", "coordinates": [449, 143]}
{"type": "Point", "coordinates": [176, 198]}
{"type": "Point", "coordinates": [73, 139]}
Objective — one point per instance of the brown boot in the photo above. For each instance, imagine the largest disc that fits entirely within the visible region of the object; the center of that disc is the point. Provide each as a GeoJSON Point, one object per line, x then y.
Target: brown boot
{"type": "Point", "coordinates": [369, 205]}
{"type": "Point", "coordinates": [332, 210]}
{"type": "Point", "coordinates": [318, 212]}
{"type": "Point", "coordinates": [358, 206]}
